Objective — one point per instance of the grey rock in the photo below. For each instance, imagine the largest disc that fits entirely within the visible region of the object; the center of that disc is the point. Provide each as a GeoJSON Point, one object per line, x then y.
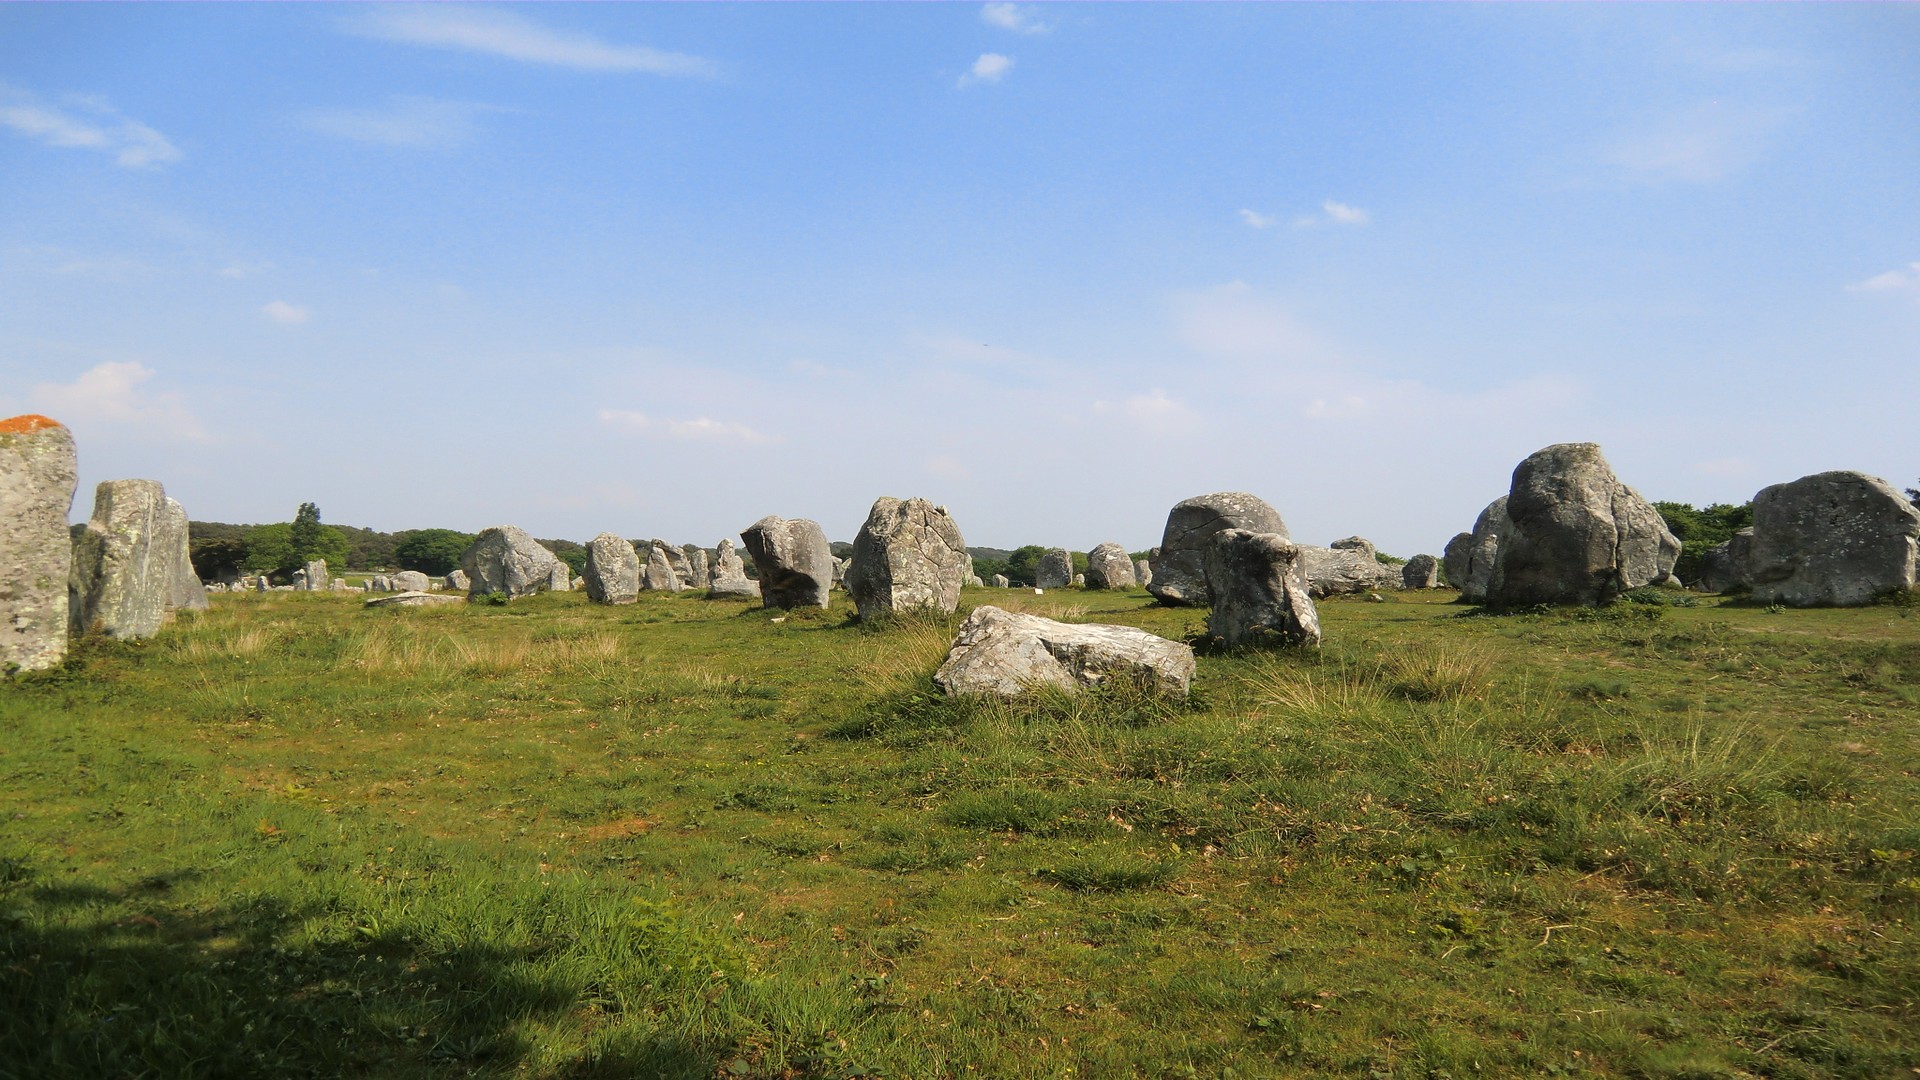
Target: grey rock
{"type": "Point", "coordinates": [411, 581]}
{"type": "Point", "coordinates": [1576, 534]}
{"type": "Point", "coordinates": [1079, 581]}
{"type": "Point", "coordinates": [1833, 539]}
{"type": "Point", "coordinates": [1000, 581]}
{"type": "Point", "coordinates": [1179, 568]}
{"type": "Point", "coordinates": [262, 583]}
{"type": "Point", "coordinates": [1728, 565]}
{"type": "Point", "coordinates": [1054, 570]}
{"type": "Point", "coordinates": [412, 598]}
{"type": "Point", "coordinates": [458, 580]}
{"type": "Point", "coordinates": [1470, 557]}
{"type": "Point", "coordinates": [974, 582]}
{"type": "Point", "coordinates": [728, 576]}
{"type": "Point", "coordinates": [1110, 567]}
{"type": "Point", "coordinates": [1345, 570]}
{"type": "Point", "coordinates": [505, 559]}
{"type": "Point", "coordinates": [186, 592]}
{"type": "Point", "coordinates": [38, 474]}
{"type": "Point", "coordinates": [664, 565]}
{"type": "Point", "coordinates": [1420, 572]}
{"type": "Point", "coordinates": [1005, 654]}
{"type": "Point", "coordinates": [560, 578]}
{"type": "Point", "coordinates": [1143, 571]}
{"type": "Point", "coordinates": [613, 570]}
{"type": "Point", "coordinates": [700, 567]}
{"type": "Point", "coordinates": [793, 561]}
{"type": "Point", "coordinates": [1259, 586]}
{"type": "Point", "coordinates": [315, 577]}
{"type": "Point", "coordinates": [908, 556]}
{"type": "Point", "coordinates": [125, 576]}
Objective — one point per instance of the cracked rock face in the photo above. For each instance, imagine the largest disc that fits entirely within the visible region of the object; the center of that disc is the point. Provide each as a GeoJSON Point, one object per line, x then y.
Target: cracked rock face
{"type": "Point", "coordinates": [506, 559]}
{"type": "Point", "coordinates": [1469, 557]}
{"type": "Point", "coordinates": [1179, 571]}
{"type": "Point", "coordinates": [1833, 539]}
{"type": "Point", "coordinates": [1576, 534]}
{"type": "Point", "coordinates": [1005, 654]}
{"type": "Point", "coordinates": [613, 570]}
{"type": "Point", "coordinates": [1054, 570]}
{"type": "Point", "coordinates": [130, 562]}
{"type": "Point", "coordinates": [729, 576]}
{"type": "Point", "coordinates": [1345, 568]}
{"type": "Point", "coordinates": [908, 556]}
{"type": "Point", "coordinates": [1260, 589]}
{"type": "Point", "coordinates": [38, 473]}
{"type": "Point", "coordinates": [1110, 567]}
{"type": "Point", "coordinates": [793, 560]}
{"type": "Point", "coordinates": [667, 569]}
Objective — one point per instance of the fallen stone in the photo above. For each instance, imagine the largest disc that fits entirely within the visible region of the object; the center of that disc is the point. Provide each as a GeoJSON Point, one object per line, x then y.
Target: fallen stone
{"type": "Point", "coordinates": [1178, 571]}
{"type": "Point", "coordinates": [1260, 590]}
{"type": "Point", "coordinates": [1005, 654]}
{"type": "Point", "coordinates": [1345, 570]}
{"type": "Point", "coordinates": [413, 598]}
{"type": "Point", "coordinates": [38, 474]}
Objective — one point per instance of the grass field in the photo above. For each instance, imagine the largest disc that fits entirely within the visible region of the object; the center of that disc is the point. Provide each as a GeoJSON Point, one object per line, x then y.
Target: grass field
{"type": "Point", "coordinates": [293, 837]}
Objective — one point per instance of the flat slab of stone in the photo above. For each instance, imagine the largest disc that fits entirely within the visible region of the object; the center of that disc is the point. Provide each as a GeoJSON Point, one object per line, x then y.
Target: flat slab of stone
{"type": "Point", "coordinates": [414, 599]}
{"type": "Point", "coordinates": [1005, 654]}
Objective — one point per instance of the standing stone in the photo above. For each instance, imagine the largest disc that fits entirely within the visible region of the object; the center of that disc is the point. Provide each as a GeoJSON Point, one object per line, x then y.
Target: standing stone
{"type": "Point", "coordinates": [1143, 571]}
{"type": "Point", "coordinates": [1000, 581]}
{"type": "Point", "coordinates": [1054, 570]}
{"type": "Point", "coordinates": [409, 581]}
{"type": "Point", "coordinates": [701, 569]}
{"type": "Point", "coordinates": [1470, 557]}
{"type": "Point", "coordinates": [793, 560]}
{"type": "Point", "coordinates": [38, 474]}
{"type": "Point", "coordinates": [1179, 571]}
{"type": "Point", "coordinates": [974, 582]}
{"type": "Point", "coordinates": [661, 575]}
{"type": "Point", "coordinates": [559, 577]}
{"type": "Point", "coordinates": [1833, 539]}
{"type": "Point", "coordinates": [1110, 567]}
{"type": "Point", "coordinates": [613, 570]}
{"type": "Point", "coordinates": [315, 576]}
{"type": "Point", "coordinates": [1420, 572]}
{"type": "Point", "coordinates": [1259, 588]}
{"type": "Point", "coordinates": [125, 578]}
{"type": "Point", "coordinates": [1728, 565]}
{"type": "Point", "coordinates": [729, 575]}
{"type": "Point", "coordinates": [458, 580]}
{"type": "Point", "coordinates": [504, 559]}
{"type": "Point", "coordinates": [185, 590]}
{"type": "Point", "coordinates": [909, 556]}
{"type": "Point", "coordinates": [1576, 534]}
{"type": "Point", "coordinates": [1005, 654]}
{"type": "Point", "coordinates": [262, 583]}
{"type": "Point", "coordinates": [1346, 568]}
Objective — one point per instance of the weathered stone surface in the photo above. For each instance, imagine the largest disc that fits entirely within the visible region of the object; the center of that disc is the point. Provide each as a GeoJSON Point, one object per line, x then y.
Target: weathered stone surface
{"type": "Point", "coordinates": [1259, 587]}
{"type": "Point", "coordinates": [38, 473]}
{"type": "Point", "coordinates": [560, 578]}
{"type": "Point", "coordinates": [728, 576]}
{"type": "Point", "coordinates": [908, 556]}
{"type": "Point", "coordinates": [974, 582]}
{"type": "Point", "coordinates": [1470, 557]}
{"type": "Point", "coordinates": [126, 571]}
{"type": "Point", "coordinates": [1005, 654]}
{"type": "Point", "coordinates": [505, 559]}
{"type": "Point", "coordinates": [1054, 570]}
{"type": "Point", "coordinates": [1728, 565]}
{"type": "Point", "coordinates": [313, 577]}
{"type": "Point", "coordinates": [793, 561]}
{"type": "Point", "coordinates": [412, 598]}
{"type": "Point", "coordinates": [1000, 581]}
{"type": "Point", "coordinates": [1833, 539]}
{"type": "Point", "coordinates": [613, 570]}
{"type": "Point", "coordinates": [1346, 568]}
{"type": "Point", "coordinates": [1420, 572]}
{"type": "Point", "coordinates": [185, 590]}
{"type": "Point", "coordinates": [661, 573]}
{"type": "Point", "coordinates": [458, 580]}
{"type": "Point", "coordinates": [1110, 567]}
{"type": "Point", "coordinates": [700, 567]}
{"type": "Point", "coordinates": [411, 581]}
{"type": "Point", "coordinates": [1576, 534]}
{"type": "Point", "coordinates": [1178, 570]}
{"type": "Point", "coordinates": [1143, 571]}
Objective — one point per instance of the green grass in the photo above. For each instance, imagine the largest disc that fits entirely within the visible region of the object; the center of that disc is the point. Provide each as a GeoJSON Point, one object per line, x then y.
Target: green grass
{"type": "Point", "coordinates": [292, 837]}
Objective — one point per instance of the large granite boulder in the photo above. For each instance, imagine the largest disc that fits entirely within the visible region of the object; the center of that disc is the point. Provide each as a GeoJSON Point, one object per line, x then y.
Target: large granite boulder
{"type": "Point", "coordinates": [1470, 557]}
{"type": "Point", "coordinates": [1346, 568]}
{"type": "Point", "coordinates": [613, 570]}
{"type": "Point", "coordinates": [908, 556]}
{"type": "Point", "coordinates": [560, 577]}
{"type": "Point", "coordinates": [505, 559]}
{"type": "Point", "coordinates": [1178, 569]}
{"type": "Point", "coordinates": [1420, 572]}
{"type": "Point", "coordinates": [665, 566]}
{"type": "Point", "coordinates": [1110, 567]}
{"type": "Point", "coordinates": [1576, 534]}
{"type": "Point", "coordinates": [1260, 590]}
{"type": "Point", "coordinates": [1833, 539]}
{"type": "Point", "coordinates": [1054, 570]}
{"type": "Point", "coordinates": [1005, 654]}
{"type": "Point", "coordinates": [38, 473]}
{"type": "Point", "coordinates": [728, 576]}
{"type": "Point", "coordinates": [128, 562]}
{"type": "Point", "coordinates": [1728, 565]}
{"type": "Point", "coordinates": [410, 581]}
{"type": "Point", "coordinates": [792, 559]}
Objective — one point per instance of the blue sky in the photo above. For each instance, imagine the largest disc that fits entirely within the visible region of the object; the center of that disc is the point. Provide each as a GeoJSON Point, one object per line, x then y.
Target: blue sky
{"type": "Point", "coordinates": [664, 269]}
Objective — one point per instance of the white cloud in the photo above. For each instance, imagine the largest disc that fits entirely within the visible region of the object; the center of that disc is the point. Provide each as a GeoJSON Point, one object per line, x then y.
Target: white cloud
{"type": "Point", "coordinates": [1695, 145]}
{"type": "Point", "coordinates": [423, 123]}
{"type": "Point", "coordinates": [495, 32]}
{"type": "Point", "coordinates": [1153, 412]}
{"type": "Point", "coordinates": [1257, 220]}
{"type": "Point", "coordinates": [282, 312]}
{"type": "Point", "coordinates": [1013, 17]}
{"type": "Point", "coordinates": [990, 68]}
{"type": "Point", "coordinates": [702, 429]}
{"type": "Point", "coordinates": [1903, 280]}
{"type": "Point", "coordinates": [110, 394]}
{"type": "Point", "coordinates": [1342, 214]}
{"type": "Point", "coordinates": [92, 124]}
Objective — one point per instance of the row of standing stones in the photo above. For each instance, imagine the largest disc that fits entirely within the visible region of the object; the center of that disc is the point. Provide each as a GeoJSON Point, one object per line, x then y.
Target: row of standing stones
{"type": "Point", "coordinates": [1567, 532]}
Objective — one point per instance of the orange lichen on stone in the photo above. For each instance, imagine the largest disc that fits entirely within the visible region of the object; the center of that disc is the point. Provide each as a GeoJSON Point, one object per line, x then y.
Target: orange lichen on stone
{"type": "Point", "coordinates": [27, 423]}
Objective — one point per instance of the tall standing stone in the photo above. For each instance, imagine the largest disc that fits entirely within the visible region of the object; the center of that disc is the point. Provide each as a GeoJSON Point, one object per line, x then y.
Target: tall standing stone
{"type": "Point", "coordinates": [1259, 587]}
{"type": "Point", "coordinates": [559, 576]}
{"type": "Point", "coordinates": [1179, 571]}
{"type": "Point", "coordinates": [1833, 539]}
{"type": "Point", "coordinates": [316, 576]}
{"type": "Point", "coordinates": [793, 560]}
{"type": "Point", "coordinates": [701, 569]}
{"type": "Point", "coordinates": [729, 576]}
{"type": "Point", "coordinates": [1110, 567]}
{"type": "Point", "coordinates": [505, 559]}
{"type": "Point", "coordinates": [1470, 557]}
{"type": "Point", "coordinates": [127, 561]}
{"type": "Point", "coordinates": [38, 473]}
{"type": "Point", "coordinates": [1054, 570]}
{"type": "Point", "coordinates": [661, 575]}
{"type": "Point", "coordinates": [1420, 572]}
{"type": "Point", "coordinates": [908, 556]}
{"type": "Point", "coordinates": [1728, 565]}
{"type": "Point", "coordinates": [1576, 534]}
{"type": "Point", "coordinates": [185, 590]}
{"type": "Point", "coordinates": [1143, 571]}
{"type": "Point", "coordinates": [613, 570]}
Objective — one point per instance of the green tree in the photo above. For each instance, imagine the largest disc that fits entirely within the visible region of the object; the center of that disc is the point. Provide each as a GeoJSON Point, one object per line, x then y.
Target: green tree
{"type": "Point", "coordinates": [216, 558]}
{"type": "Point", "coordinates": [270, 549]}
{"type": "Point", "coordinates": [1701, 529]}
{"type": "Point", "coordinates": [432, 551]}
{"type": "Point", "coordinates": [304, 537]}
{"type": "Point", "coordinates": [1021, 563]}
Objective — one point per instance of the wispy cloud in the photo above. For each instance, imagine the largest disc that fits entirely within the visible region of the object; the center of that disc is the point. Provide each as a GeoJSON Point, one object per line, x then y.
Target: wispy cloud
{"type": "Point", "coordinates": [495, 32]}
{"type": "Point", "coordinates": [1013, 17]}
{"type": "Point", "coordinates": [86, 123]}
{"type": "Point", "coordinates": [990, 68]}
{"type": "Point", "coordinates": [1903, 280]}
{"type": "Point", "coordinates": [702, 429]}
{"type": "Point", "coordinates": [1153, 412]}
{"type": "Point", "coordinates": [1332, 213]}
{"type": "Point", "coordinates": [1258, 220]}
{"type": "Point", "coordinates": [287, 314]}
{"type": "Point", "coordinates": [111, 394]}
{"type": "Point", "coordinates": [423, 123]}
{"type": "Point", "coordinates": [1696, 145]}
